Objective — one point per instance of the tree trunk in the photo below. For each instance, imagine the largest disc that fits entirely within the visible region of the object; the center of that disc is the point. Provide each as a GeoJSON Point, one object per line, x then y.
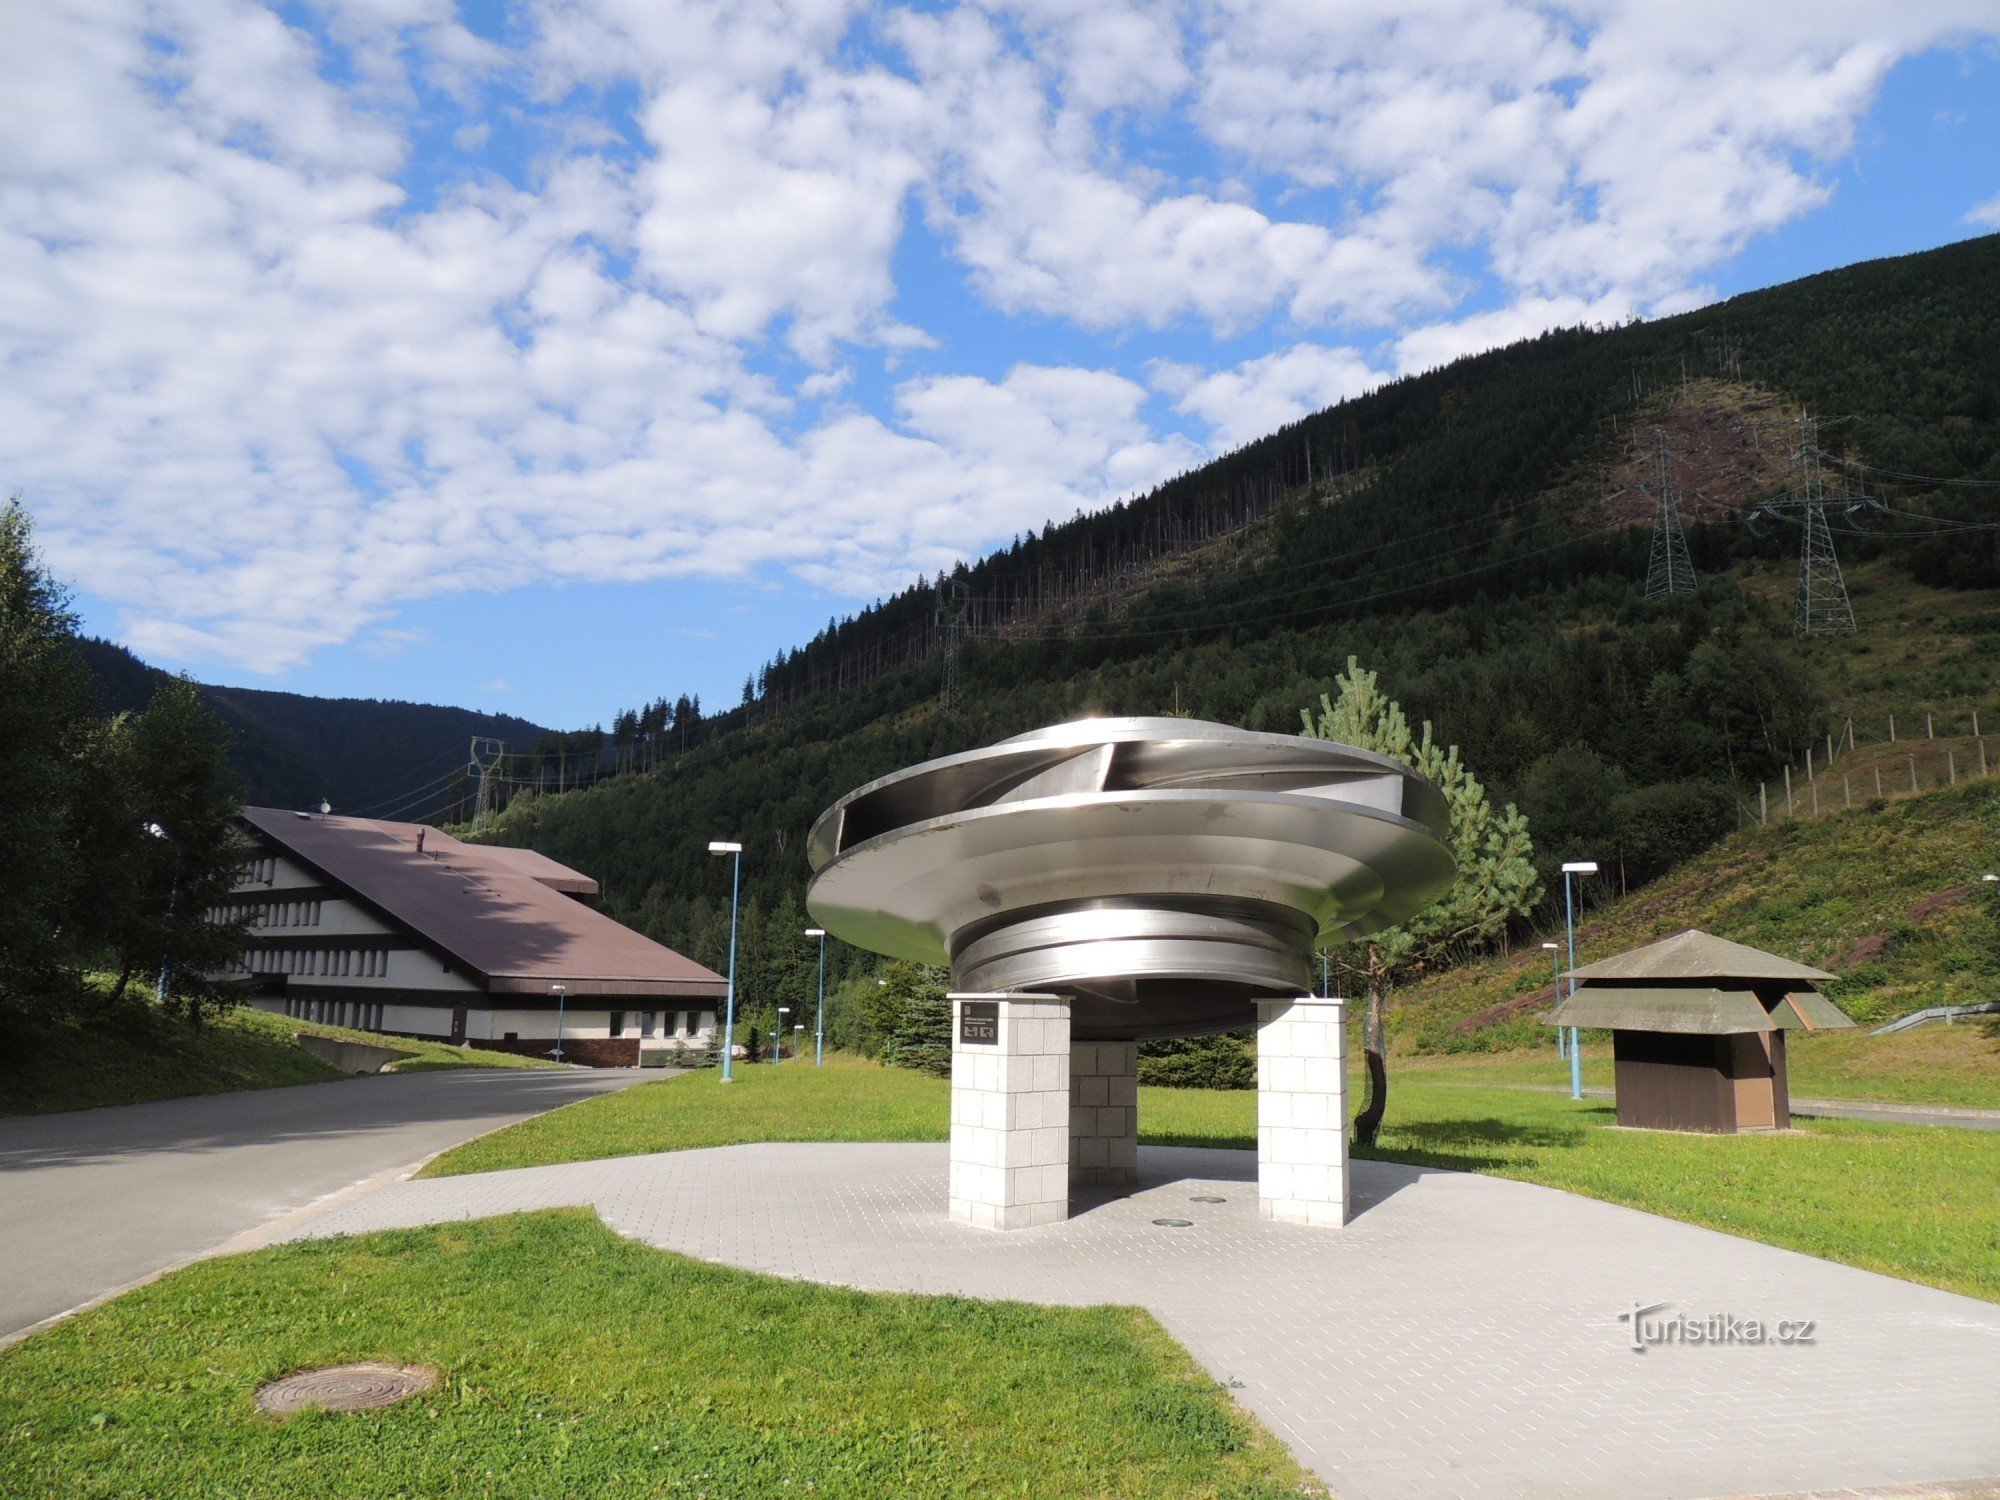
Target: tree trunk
{"type": "Point", "coordinates": [1373, 1045]}
{"type": "Point", "coordinates": [118, 989]}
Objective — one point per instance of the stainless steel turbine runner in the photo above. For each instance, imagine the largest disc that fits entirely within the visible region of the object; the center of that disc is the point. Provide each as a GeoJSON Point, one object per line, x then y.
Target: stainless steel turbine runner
{"type": "Point", "coordinates": [1164, 873]}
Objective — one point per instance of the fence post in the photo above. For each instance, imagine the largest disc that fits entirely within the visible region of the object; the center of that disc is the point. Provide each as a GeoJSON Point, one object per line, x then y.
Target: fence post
{"type": "Point", "coordinates": [1975, 723]}
{"type": "Point", "coordinates": [1829, 749]}
{"type": "Point", "coordinates": [1847, 789]}
{"type": "Point", "coordinates": [1813, 787]}
{"type": "Point", "coordinates": [1763, 807]}
{"type": "Point", "coordinates": [1950, 767]}
{"type": "Point", "coordinates": [1850, 735]}
{"type": "Point", "coordinates": [1878, 783]}
{"type": "Point", "coordinates": [1788, 791]}
{"type": "Point", "coordinates": [1809, 765]}
{"type": "Point", "coordinates": [1913, 773]}
{"type": "Point", "coordinates": [1892, 729]}
{"type": "Point", "coordinates": [1929, 734]}
{"type": "Point", "coordinates": [1982, 757]}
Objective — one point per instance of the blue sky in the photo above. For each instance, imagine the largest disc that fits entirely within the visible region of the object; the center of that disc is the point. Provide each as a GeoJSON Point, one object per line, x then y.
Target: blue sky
{"type": "Point", "coordinates": [553, 357]}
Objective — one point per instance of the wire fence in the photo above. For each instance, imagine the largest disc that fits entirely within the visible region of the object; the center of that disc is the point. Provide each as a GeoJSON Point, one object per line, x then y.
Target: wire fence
{"type": "Point", "coordinates": [1898, 755]}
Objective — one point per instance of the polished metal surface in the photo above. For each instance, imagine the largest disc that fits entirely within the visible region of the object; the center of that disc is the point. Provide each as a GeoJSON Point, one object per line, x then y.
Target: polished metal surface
{"type": "Point", "coordinates": [1164, 873]}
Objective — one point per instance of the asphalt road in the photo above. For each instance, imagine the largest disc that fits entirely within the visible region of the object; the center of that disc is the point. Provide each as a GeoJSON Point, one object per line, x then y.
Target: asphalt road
{"type": "Point", "coordinates": [93, 1201]}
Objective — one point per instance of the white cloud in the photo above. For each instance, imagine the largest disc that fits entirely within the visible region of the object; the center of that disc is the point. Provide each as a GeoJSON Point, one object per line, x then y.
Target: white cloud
{"type": "Point", "coordinates": [276, 358]}
{"type": "Point", "coordinates": [1261, 395]}
{"type": "Point", "coordinates": [1986, 214]}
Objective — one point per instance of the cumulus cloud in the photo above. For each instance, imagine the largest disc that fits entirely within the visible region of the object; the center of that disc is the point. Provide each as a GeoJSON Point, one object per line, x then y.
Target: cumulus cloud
{"type": "Point", "coordinates": [1986, 214]}
{"type": "Point", "coordinates": [309, 313]}
{"type": "Point", "coordinates": [1260, 395]}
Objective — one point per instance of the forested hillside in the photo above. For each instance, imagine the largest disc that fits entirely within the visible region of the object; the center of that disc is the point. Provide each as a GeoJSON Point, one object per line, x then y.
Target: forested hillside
{"type": "Point", "coordinates": [292, 750]}
{"type": "Point", "coordinates": [1470, 534]}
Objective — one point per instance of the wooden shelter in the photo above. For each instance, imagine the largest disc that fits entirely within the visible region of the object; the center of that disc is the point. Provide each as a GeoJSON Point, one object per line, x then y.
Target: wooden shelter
{"type": "Point", "coordinates": [1698, 1029]}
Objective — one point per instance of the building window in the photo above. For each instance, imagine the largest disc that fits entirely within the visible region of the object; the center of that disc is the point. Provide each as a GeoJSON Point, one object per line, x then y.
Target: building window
{"type": "Point", "coordinates": [647, 1021]}
{"type": "Point", "coordinates": [691, 1023]}
{"type": "Point", "coordinates": [618, 1023]}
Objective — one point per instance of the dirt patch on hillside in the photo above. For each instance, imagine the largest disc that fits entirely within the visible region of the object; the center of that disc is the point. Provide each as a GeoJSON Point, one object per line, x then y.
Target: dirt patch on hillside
{"type": "Point", "coordinates": [1930, 906]}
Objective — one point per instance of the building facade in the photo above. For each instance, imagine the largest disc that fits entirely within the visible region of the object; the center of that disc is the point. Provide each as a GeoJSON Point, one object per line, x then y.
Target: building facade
{"type": "Point", "coordinates": [401, 929]}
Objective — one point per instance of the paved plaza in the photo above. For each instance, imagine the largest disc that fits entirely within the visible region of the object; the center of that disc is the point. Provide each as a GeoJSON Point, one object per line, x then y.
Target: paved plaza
{"type": "Point", "coordinates": [1460, 1337]}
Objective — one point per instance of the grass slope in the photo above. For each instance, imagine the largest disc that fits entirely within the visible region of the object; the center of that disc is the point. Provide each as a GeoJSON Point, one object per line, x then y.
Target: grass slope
{"type": "Point", "coordinates": [1887, 896]}
{"type": "Point", "coordinates": [134, 1054]}
{"type": "Point", "coordinates": [631, 1372]}
{"type": "Point", "coordinates": [1912, 1201]}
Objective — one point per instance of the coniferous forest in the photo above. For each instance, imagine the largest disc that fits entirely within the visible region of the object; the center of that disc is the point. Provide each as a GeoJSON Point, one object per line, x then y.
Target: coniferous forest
{"type": "Point", "coordinates": [1457, 531]}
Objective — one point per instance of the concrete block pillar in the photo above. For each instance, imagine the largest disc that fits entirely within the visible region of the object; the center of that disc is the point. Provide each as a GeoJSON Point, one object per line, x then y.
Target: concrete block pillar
{"type": "Point", "coordinates": [1302, 1111]}
{"type": "Point", "coordinates": [1009, 1110]}
{"type": "Point", "coordinates": [1103, 1113]}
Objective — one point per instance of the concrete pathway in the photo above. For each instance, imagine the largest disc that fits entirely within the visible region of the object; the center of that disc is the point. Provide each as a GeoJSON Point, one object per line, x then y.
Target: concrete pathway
{"type": "Point", "coordinates": [95, 1200]}
{"type": "Point", "coordinates": [1460, 1337]}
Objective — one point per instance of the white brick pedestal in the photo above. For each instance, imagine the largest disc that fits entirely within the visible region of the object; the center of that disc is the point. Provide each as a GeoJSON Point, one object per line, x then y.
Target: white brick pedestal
{"type": "Point", "coordinates": [1103, 1113]}
{"type": "Point", "coordinates": [1302, 1111]}
{"type": "Point", "coordinates": [1009, 1110]}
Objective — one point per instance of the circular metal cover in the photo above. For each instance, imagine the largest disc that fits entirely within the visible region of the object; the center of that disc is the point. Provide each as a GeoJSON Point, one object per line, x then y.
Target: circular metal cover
{"type": "Point", "coordinates": [358, 1387]}
{"type": "Point", "coordinates": [1164, 873]}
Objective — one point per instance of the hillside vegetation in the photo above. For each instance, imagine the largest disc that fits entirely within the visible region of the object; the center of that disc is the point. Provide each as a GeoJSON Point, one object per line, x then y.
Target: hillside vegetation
{"type": "Point", "coordinates": [292, 750]}
{"type": "Point", "coordinates": [1887, 896]}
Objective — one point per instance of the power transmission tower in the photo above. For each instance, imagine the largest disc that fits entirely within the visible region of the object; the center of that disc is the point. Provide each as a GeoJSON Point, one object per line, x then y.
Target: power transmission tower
{"type": "Point", "coordinates": [485, 761]}
{"type": "Point", "coordinates": [1669, 571]}
{"type": "Point", "coordinates": [1823, 602]}
{"type": "Point", "coordinates": [951, 616]}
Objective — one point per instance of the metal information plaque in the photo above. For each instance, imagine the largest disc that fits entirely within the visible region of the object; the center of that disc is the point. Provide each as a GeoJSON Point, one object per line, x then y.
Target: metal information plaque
{"type": "Point", "coordinates": [979, 1023]}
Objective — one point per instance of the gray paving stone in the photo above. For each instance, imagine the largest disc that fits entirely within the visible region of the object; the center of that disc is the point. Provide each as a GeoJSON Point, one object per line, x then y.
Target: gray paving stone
{"type": "Point", "coordinates": [1459, 1336]}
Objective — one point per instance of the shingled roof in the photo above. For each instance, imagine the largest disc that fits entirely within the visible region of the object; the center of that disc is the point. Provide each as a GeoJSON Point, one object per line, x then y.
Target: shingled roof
{"type": "Point", "coordinates": [1698, 983]}
{"type": "Point", "coordinates": [1695, 954]}
{"type": "Point", "coordinates": [501, 914]}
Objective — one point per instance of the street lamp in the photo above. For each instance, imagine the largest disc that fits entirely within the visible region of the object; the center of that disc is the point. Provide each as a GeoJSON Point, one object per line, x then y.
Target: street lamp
{"type": "Point", "coordinates": [173, 896]}
{"type": "Point", "coordinates": [1575, 867]}
{"type": "Point", "coordinates": [819, 1026]}
{"type": "Point", "coordinates": [561, 992]}
{"type": "Point", "coordinates": [778, 1036]}
{"type": "Point", "coordinates": [729, 1016]}
{"type": "Point", "coordinates": [1554, 950]}
{"type": "Point", "coordinates": [798, 1039]}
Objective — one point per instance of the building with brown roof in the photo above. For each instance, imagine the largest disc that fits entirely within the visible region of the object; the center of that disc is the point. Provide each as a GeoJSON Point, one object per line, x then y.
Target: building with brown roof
{"type": "Point", "coordinates": [1698, 1028]}
{"type": "Point", "coordinates": [402, 929]}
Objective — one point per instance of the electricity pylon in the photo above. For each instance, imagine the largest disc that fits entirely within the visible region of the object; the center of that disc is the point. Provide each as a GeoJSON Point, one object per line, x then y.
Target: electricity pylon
{"type": "Point", "coordinates": [485, 760]}
{"type": "Point", "coordinates": [1669, 570]}
{"type": "Point", "coordinates": [951, 617]}
{"type": "Point", "coordinates": [1823, 602]}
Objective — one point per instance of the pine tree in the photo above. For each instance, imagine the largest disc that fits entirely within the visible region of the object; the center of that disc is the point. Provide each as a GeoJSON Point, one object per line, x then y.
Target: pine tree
{"type": "Point", "coordinates": [44, 721]}
{"type": "Point", "coordinates": [1496, 864]}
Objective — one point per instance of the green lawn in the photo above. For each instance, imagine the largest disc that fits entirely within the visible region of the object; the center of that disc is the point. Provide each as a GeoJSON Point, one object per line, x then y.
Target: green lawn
{"type": "Point", "coordinates": [1935, 1064]}
{"type": "Point", "coordinates": [135, 1053]}
{"type": "Point", "coordinates": [1913, 1201]}
{"type": "Point", "coordinates": [574, 1362]}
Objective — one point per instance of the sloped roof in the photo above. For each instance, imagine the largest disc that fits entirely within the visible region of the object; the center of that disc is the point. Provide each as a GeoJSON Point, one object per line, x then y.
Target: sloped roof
{"type": "Point", "coordinates": [501, 913]}
{"type": "Point", "coordinates": [1694, 955]}
{"type": "Point", "coordinates": [1697, 1010]}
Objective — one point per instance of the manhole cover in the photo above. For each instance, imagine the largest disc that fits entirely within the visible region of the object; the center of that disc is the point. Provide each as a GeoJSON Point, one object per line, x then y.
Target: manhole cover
{"type": "Point", "coordinates": [1207, 1198]}
{"type": "Point", "coordinates": [345, 1388]}
{"type": "Point", "coordinates": [1175, 1223]}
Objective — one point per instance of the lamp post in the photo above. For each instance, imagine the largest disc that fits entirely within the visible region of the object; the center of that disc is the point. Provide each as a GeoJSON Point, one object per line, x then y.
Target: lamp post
{"type": "Point", "coordinates": [1325, 978]}
{"type": "Point", "coordinates": [1575, 867]}
{"type": "Point", "coordinates": [561, 992]}
{"type": "Point", "coordinates": [778, 1035]}
{"type": "Point", "coordinates": [819, 1024]}
{"type": "Point", "coordinates": [1554, 951]}
{"type": "Point", "coordinates": [729, 1014]}
{"type": "Point", "coordinates": [798, 1039]}
{"type": "Point", "coordinates": [173, 898]}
